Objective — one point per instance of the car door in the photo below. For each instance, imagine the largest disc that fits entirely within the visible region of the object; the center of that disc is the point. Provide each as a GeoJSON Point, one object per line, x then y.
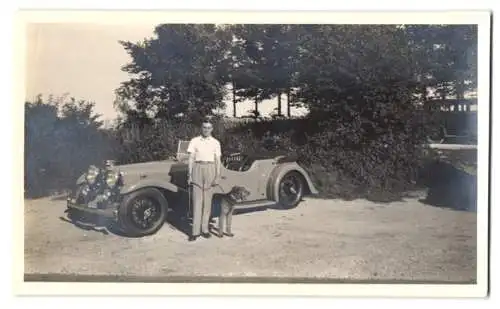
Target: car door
{"type": "Point", "coordinates": [254, 179]}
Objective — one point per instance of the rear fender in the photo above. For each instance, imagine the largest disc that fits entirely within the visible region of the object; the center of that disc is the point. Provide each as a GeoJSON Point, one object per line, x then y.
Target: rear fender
{"type": "Point", "coordinates": [280, 171]}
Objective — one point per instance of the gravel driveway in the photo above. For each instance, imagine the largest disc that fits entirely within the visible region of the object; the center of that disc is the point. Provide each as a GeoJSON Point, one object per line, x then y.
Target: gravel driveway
{"type": "Point", "coordinates": [327, 239]}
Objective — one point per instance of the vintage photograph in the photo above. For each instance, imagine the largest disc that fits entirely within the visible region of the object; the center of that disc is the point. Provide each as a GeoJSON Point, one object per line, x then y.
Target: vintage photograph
{"type": "Point", "coordinates": [304, 153]}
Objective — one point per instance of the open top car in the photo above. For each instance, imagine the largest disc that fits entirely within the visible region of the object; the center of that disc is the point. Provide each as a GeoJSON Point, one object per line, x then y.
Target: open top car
{"type": "Point", "coordinates": [139, 196]}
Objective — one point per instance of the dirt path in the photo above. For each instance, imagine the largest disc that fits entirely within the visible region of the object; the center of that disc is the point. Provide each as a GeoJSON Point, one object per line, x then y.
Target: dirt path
{"type": "Point", "coordinates": [321, 239]}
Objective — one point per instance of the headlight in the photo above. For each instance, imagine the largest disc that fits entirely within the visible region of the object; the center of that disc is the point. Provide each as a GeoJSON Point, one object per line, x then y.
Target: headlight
{"type": "Point", "coordinates": [92, 174]}
{"type": "Point", "coordinates": [112, 178]}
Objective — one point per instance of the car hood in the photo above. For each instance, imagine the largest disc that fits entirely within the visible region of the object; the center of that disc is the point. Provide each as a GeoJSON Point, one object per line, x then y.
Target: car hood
{"type": "Point", "coordinates": [166, 170]}
{"type": "Point", "coordinates": [166, 166]}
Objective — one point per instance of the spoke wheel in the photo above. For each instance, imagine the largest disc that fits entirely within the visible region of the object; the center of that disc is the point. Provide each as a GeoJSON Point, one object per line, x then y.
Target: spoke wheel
{"type": "Point", "coordinates": [143, 212]}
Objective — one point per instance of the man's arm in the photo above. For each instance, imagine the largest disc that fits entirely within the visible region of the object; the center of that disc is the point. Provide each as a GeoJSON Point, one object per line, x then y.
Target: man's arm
{"type": "Point", "coordinates": [190, 150]}
{"type": "Point", "coordinates": [190, 167]}
{"type": "Point", "coordinates": [217, 160]}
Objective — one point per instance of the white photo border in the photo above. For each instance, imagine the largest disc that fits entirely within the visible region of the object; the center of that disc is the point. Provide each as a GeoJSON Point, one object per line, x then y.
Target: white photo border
{"type": "Point", "coordinates": [481, 18]}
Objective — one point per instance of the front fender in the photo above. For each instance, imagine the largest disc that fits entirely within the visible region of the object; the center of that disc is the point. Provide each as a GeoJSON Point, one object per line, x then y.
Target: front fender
{"type": "Point", "coordinates": [150, 183]}
{"type": "Point", "coordinates": [80, 180]}
{"type": "Point", "coordinates": [280, 171]}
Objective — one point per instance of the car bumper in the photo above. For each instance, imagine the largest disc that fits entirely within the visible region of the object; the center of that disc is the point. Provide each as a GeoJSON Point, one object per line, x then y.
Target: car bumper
{"type": "Point", "coordinates": [110, 212]}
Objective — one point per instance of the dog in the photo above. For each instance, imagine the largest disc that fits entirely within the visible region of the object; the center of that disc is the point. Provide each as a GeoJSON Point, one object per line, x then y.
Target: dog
{"type": "Point", "coordinates": [237, 194]}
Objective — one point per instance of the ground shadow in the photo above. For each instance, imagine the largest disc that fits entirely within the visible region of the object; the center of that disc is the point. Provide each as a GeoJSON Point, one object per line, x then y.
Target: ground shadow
{"type": "Point", "coordinates": [385, 198]}
{"type": "Point", "coordinates": [455, 205]}
{"type": "Point", "coordinates": [177, 218]}
{"type": "Point", "coordinates": [450, 187]}
{"type": "Point", "coordinates": [243, 211]}
{"type": "Point", "coordinates": [181, 219]}
{"type": "Point", "coordinates": [89, 222]}
{"type": "Point", "coordinates": [216, 208]}
{"type": "Point", "coordinates": [346, 191]}
{"type": "Point", "coordinates": [86, 225]}
{"type": "Point", "coordinates": [374, 197]}
{"type": "Point", "coordinates": [443, 185]}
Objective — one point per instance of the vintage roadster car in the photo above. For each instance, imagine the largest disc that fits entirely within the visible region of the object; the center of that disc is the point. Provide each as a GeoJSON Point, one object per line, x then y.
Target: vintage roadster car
{"type": "Point", "coordinates": [137, 197]}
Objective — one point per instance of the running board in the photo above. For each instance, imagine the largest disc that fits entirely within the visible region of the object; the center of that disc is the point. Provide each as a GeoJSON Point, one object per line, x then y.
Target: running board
{"type": "Point", "coordinates": [255, 204]}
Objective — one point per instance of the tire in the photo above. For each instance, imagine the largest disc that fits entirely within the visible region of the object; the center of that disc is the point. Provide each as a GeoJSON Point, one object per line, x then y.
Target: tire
{"type": "Point", "coordinates": [291, 189]}
{"type": "Point", "coordinates": [437, 137]}
{"type": "Point", "coordinates": [142, 212]}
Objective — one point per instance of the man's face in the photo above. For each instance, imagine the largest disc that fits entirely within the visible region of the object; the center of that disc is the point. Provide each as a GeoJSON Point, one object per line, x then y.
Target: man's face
{"type": "Point", "coordinates": [206, 129]}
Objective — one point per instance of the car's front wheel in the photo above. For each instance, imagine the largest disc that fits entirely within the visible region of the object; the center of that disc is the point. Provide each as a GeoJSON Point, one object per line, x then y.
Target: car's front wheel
{"type": "Point", "coordinates": [142, 212]}
{"type": "Point", "coordinates": [290, 190]}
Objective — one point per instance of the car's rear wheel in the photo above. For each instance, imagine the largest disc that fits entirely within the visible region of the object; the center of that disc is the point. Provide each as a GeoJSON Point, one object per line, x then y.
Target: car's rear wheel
{"type": "Point", "coordinates": [142, 212]}
{"type": "Point", "coordinates": [436, 136]}
{"type": "Point", "coordinates": [290, 190]}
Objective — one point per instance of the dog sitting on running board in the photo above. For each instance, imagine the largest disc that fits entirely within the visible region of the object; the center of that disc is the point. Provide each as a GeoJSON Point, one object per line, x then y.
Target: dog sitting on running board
{"type": "Point", "coordinates": [227, 202]}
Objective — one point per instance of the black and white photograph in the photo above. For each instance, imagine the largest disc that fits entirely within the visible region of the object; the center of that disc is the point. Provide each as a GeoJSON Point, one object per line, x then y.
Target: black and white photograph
{"type": "Point", "coordinates": [191, 149]}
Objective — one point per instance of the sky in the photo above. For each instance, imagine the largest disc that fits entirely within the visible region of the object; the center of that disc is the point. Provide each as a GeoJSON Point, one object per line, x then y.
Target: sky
{"type": "Point", "coordinates": [84, 60]}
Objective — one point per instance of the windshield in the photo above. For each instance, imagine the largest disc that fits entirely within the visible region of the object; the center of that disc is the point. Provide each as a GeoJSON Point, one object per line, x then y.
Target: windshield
{"type": "Point", "coordinates": [182, 154]}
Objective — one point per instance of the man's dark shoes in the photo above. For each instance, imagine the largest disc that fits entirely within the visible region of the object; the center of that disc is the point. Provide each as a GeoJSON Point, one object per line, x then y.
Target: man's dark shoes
{"type": "Point", "coordinates": [206, 235]}
{"type": "Point", "coordinates": [193, 238]}
{"type": "Point", "coordinates": [229, 234]}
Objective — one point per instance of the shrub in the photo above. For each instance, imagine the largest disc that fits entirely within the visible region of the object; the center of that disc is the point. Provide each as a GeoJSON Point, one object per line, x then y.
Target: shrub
{"type": "Point", "coordinates": [346, 159]}
{"type": "Point", "coordinates": [62, 138]}
{"type": "Point", "coordinates": [342, 163]}
{"type": "Point", "coordinates": [159, 141]}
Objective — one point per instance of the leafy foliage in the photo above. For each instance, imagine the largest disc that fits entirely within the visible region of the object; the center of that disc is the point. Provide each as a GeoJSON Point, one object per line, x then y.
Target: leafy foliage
{"type": "Point", "coordinates": [62, 138]}
{"type": "Point", "coordinates": [178, 72]}
{"type": "Point", "coordinates": [447, 57]}
{"type": "Point", "coordinates": [266, 58]}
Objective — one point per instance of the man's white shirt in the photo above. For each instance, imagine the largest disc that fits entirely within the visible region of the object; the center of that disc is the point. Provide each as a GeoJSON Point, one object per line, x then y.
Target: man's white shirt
{"type": "Point", "coordinates": [204, 148]}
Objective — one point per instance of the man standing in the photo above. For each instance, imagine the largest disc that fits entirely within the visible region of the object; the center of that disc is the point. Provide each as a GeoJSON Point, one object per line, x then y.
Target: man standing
{"type": "Point", "coordinates": [203, 173]}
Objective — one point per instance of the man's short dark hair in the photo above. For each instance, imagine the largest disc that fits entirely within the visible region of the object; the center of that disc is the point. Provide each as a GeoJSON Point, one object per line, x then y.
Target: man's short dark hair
{"type": "Point", "coordinates": [206, 120]}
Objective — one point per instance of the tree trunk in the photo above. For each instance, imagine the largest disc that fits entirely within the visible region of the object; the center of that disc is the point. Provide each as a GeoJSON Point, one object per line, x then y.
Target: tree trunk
{"type": "Point", "coordinates": [459, 88]}
{"type": "Point", "coordinates": [234, 100]}
{"type": "Point", "coordinates": [444, 104]}
{"type": "Point", "coordinates": [423, 91]}
{"type": "Point", "coordinates": [288, 112]}
{"type": "Point", "coordinates": [279, 103]}
{"type": "Point", "coordinates": [256, 102]}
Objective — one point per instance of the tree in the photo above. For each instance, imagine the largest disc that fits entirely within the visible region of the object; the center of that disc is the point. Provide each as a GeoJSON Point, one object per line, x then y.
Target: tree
{"type": "Point", "coordinates": [456, 52]}
{"type": "Point", "coordinates": [362, 85]}
{"type": "Point", "coordinates": [359, 83]}
{"type": "Point", "coordinates": [179, 72]}
{"type": "Point", "coordinates": [244, 71]}
{"type": "Point", "coordinates": [62, 138]}
{"type": "Point", "coordinates": [271, 54]}
{"type": "Point", "coordinates": [343, 65]}
{"type": "Point", "coordinates": [447, 55]}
